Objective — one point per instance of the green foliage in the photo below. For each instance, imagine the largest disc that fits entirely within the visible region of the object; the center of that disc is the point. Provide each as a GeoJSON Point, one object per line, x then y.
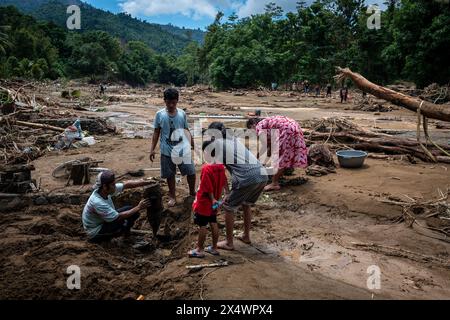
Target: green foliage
{"type": "Point", "coordinates": [41, 50]}
{"type": "Point", "coordinates": [413, 44]}
{"type": "Point", "coordinates": [161, 38]}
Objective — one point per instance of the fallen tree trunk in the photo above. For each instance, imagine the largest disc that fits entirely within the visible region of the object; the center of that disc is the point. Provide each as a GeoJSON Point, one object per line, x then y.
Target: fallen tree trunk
{"type": "Point", "coordinates": [352, 136]}
{"type": "Point", "coordinates": [430, 110]}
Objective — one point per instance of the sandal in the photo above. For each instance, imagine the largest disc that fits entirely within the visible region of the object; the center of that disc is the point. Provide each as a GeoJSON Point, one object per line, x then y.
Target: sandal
{"type": "Point", "coordinates": [195, 254]}
{"type": "Point", "coordinates": [210, 250]}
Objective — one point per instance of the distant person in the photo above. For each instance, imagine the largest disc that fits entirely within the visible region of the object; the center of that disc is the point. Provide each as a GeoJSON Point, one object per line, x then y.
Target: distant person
{"type": "Point", "coordinates": [213, 182]}
{"type": "Point", "coordinates": [294, 86]}
{"type": "Point", "coordinates": [102, 89]}
{"type": "Point", "coordinates": [170, 128]}
{"type": "Point", "coordinates": [101, 220]}
{"type": "Point", "coordinates": [344, 94]}
{"type": "Point", "coordinates": [306, 86]}
{"type": "Point", "coordinates": [274, 86]}
{"type": "Point", "coordinates": [364, 95]}
{"type": "Point", "coordinates": [317, 90]}
{"type": "Point", "coordinates": [329, 90]}
{"type": "Point", "coordinates": [248, 179]}
{"type": "Point", "coordinates": [293, 152]}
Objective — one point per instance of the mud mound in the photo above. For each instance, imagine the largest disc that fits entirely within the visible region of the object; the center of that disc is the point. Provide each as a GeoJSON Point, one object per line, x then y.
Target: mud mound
{"type": "Point", "coordinates": [38, 246]}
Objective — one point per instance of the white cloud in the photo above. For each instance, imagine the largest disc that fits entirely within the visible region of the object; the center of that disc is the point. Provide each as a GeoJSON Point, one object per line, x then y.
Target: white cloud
{"type": "Point", "coordinates": [258, 6]}
{"type": "Point", "coordinates": [195, 9]}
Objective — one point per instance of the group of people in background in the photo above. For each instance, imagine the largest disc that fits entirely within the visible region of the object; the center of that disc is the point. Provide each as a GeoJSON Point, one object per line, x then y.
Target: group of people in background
{"type": "Point", "coordinates": [305, 87]}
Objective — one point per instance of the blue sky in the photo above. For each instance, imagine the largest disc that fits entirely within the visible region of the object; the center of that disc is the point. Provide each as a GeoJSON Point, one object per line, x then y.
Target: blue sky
{"type": "Point", "coordinates": [190, 13]}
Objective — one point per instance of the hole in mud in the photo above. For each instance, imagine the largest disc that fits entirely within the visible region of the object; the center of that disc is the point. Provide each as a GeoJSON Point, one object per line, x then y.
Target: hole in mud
{"type": "Point", "coordinates": [38, 251]}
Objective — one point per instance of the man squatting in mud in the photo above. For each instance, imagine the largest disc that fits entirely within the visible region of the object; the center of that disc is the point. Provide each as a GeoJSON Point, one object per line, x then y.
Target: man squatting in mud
{"type": "Point", "coordinates": [101, 220]}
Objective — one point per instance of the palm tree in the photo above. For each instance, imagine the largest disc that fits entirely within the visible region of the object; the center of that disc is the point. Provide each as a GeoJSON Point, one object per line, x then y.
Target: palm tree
{"type": "Point", "coordinates": [4, 39]}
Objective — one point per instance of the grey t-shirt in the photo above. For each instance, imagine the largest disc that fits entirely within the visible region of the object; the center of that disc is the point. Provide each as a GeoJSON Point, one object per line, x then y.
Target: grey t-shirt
{"type": "Point", "coordinates": [244, 167]}
{"type": "Point", "coordinates": [173, 137]}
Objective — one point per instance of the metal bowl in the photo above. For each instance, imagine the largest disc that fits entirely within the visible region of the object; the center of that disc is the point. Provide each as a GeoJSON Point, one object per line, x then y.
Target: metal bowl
{"type": "Point", "coordinates": [351, 158]}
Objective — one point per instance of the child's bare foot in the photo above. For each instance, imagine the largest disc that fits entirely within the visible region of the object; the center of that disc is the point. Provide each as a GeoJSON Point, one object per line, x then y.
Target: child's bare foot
{"type": "Point", "coordinates": [272, 187]}
{"type": "Point", "coordinates": [245, 240]}
{"type": "Point", "coordinates": [225, 246]}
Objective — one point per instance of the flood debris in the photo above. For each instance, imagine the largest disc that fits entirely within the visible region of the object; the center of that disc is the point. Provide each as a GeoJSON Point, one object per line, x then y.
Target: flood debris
{"type": "Point", "coordinates": [30, 126]}
{"type": "Point", "coordinates": [433, 215]}
{"type": "Point", "coordinates": [320, 161]}
{"type": "Point", "coordinates": [346, 135]}
{"type": "Point", "coordinates": [16, 179]}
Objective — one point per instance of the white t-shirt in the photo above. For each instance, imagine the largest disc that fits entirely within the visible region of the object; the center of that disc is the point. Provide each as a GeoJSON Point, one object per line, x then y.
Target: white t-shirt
{"type": "Point", "coordinates": [99, 210]}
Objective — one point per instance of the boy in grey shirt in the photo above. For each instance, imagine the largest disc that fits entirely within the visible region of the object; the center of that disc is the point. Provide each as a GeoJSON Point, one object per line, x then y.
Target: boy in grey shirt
{"type": "Point", "coordinates": [248, 179]}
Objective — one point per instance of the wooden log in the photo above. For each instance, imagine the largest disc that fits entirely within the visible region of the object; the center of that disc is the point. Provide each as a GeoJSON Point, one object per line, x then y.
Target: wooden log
{"type": "Point", "coordinates": [34, 125]}
{"type": "Point", "coordinates": [430, 110]}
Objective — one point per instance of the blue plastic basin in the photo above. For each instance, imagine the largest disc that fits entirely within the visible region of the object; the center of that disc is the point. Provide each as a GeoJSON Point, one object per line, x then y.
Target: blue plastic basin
{"type": "Point", "coordinates": [351, 158]}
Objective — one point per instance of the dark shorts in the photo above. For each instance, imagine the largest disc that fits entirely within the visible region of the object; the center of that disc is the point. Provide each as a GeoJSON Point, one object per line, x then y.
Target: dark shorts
{"type": "Point", "coordinates": [169, 169]}
{"type": "Point", "coordinates": [116, 228]}
{"type": "Point", "coordinates": [203, 221]}
{"type": "Point", "coordinates": [246, 196]}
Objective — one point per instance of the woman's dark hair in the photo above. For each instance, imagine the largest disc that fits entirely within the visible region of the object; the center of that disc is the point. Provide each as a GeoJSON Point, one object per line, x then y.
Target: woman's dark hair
{"type": "Point", "coordinates": [253, 122]}
{"type": "Point", "coordinates": [171, 94]}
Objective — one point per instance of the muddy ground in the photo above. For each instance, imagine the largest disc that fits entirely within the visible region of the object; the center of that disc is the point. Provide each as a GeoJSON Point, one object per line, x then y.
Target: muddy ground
{"type": "Point", "coordinates": [313, 241]}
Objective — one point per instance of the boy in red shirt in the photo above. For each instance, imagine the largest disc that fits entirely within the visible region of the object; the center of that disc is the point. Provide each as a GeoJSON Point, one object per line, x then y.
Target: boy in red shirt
{"type": "Point", "coordinates": [213, 182]}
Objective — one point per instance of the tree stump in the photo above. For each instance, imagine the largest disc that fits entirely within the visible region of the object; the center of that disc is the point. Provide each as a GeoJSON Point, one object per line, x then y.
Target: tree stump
{"type": "Point", "coordinates": [154, 212]}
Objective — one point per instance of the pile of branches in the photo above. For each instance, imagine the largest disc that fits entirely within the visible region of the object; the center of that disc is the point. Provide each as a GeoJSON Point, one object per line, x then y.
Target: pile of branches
{"type": "Point", "coordinates": [18, 145]}
{"type": "Point", "coordinates": [367, 104]}
{"type": "Point", "coordinates": [22, 141]}
{"type": "Point", "coordinates": [344, 134]}
{"type": "Point", "coordinates": [433, 215]}
{"type": "Point", "coordinates": [436, 94]}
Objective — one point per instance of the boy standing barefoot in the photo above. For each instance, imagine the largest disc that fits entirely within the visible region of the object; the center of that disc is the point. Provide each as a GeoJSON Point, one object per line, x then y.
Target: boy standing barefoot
{"type": "Point", "coordinates": [171, 126]}
{"type": "Point", "coordinates": [213, 182]}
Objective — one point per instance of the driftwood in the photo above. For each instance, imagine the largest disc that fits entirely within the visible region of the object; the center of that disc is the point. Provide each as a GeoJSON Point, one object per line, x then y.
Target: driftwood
{"type": "Point", "coordinates": [430, 110]}
{"type": "Point", "coordinates": [349, 135]}
{"type": "Point", "coordinates": [209, 265]}
{"type": "Point", "coordinates": [38, 126]}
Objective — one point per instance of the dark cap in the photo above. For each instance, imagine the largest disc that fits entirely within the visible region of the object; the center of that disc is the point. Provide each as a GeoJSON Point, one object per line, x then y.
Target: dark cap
{"type": "Point", "coordinates": [106, 177]}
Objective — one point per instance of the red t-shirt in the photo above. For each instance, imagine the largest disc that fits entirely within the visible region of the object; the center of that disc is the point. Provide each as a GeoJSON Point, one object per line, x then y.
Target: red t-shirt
{"type": "Point", "coordinates": [212, 180]}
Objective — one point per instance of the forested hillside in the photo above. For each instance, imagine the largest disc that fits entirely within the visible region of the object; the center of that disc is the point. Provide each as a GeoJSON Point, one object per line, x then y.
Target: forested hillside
{"type": "Point", "coordinates": [41, 50]}
{"type": "Point", "coordinates": [412, 44]}
{"type": "Point", "coordinates": [163, 39]}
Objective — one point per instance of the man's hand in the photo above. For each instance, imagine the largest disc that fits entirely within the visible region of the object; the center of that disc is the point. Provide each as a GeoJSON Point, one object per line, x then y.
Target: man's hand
{"type": "Point", "coordinates": [144, 204]}
{"type": "Point", "coordinates": [152, 156]}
